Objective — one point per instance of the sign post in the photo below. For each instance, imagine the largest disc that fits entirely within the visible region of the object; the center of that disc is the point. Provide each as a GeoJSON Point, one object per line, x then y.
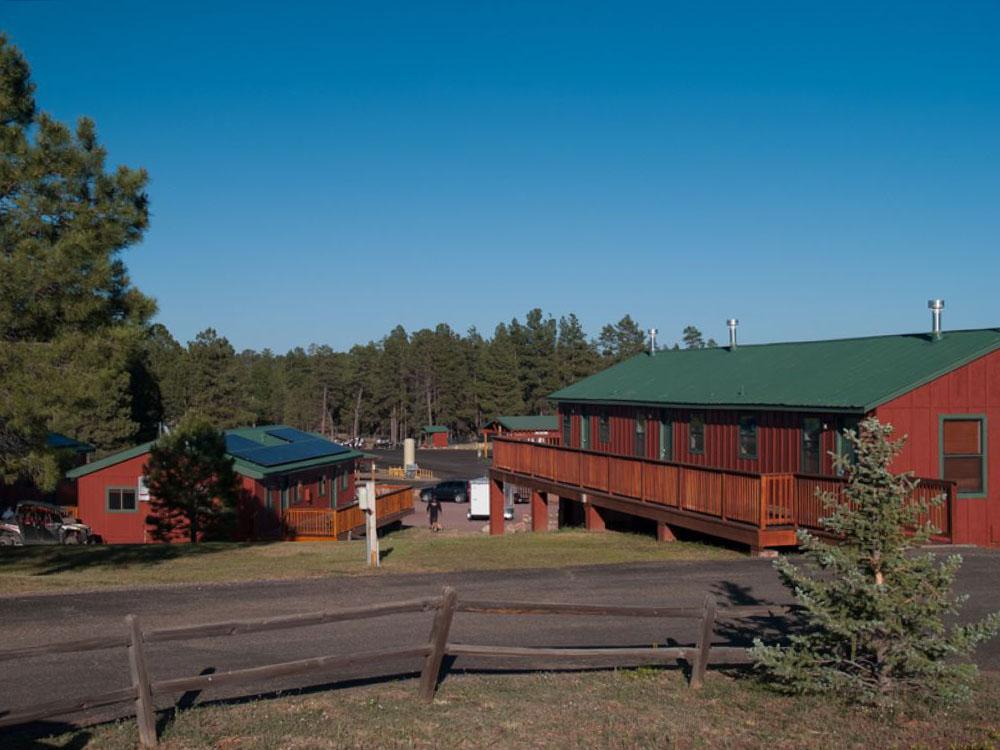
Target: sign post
{"type": "Point", "coordinates": [371, 527]}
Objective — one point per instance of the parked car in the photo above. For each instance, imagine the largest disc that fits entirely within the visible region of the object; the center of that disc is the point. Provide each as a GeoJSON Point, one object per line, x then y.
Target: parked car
{"type": "Point", "coordinates": [30, 523]}
{"type": "Point", "coordinates": [455, 491]}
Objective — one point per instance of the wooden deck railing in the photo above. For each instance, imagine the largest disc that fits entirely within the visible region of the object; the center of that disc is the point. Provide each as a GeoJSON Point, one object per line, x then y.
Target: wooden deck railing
{"type": "Point", "coordinates": [390, 501]}
{"type": "Point", "coordinates": [762, 500]}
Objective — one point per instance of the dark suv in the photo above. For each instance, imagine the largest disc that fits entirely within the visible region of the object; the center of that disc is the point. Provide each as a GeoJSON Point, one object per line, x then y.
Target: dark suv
{"type": "Point", "coordinates": [40, 523]}
{"type": "Point", "coordinates": [457, 492]}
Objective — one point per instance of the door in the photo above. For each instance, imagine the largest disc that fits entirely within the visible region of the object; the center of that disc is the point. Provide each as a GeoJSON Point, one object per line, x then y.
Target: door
{"type": "Point", "coordinates": [585, 432]}
{"type": "Point", "coordinates": [666, 438]}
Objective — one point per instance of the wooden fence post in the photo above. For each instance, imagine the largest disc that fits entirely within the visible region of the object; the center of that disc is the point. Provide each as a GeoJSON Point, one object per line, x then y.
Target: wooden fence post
{"type": "Point", "coordinates": [438, 642]}
{"type": "Point", "coordinates": [704, 644]}
{"type": "Point", "coordinates": [144, 715]}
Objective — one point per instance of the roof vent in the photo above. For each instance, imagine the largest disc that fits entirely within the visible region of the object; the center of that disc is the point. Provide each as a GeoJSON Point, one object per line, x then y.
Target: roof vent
{"type": "Point", "coordinates": [731, 325]}
{"type": "Point", "coordinates": [652, 342]}
{"type": "Point", "coordinates": [936, 306]}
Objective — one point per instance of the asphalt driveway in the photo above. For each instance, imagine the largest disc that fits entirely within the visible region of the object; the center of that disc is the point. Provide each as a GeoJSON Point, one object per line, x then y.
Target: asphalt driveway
{"type": "Point", "coordinates": [36, 619]}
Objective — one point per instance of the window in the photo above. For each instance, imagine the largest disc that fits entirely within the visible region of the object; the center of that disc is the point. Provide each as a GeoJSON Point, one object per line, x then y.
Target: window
{"type": "Point", "coordinates": [666, 438]}
{"type": "Point", "coordinates": [640, 434]}
{"type": "Point", "coordinates": [567, 429]}
{"type": "Point", "coordinates": [268, 499]}
{"type": "Point", "coordinates": [604, 429]}
{"type": "Point", "coordinates": [321, 491]}
{"type": "Point", "coordinates": [696, 434]}
{"type": "Point", "coordinates": [962, 454]}
{"type": "Point", "coordinates": [121, 499]}
{"type": "Point", "coordinates": [284, 493]}
{"type": "Point", "coordinates": [333, 489]}
{"type": "Point", "coordinates": [748, 436]}
{"type": "Point", "coordinates": [585, 431]}
{"type": "Point", "coordinates": [812, 432]}
{"type": "Point", "coordinates": [845, 448]}
{"type": "Point", "coordinates": [343, 479]}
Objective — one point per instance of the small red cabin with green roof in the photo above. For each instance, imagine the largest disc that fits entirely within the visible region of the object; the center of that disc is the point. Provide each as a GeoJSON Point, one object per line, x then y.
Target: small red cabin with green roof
{"type": "Point", "coordinates": [735, 441]}
{"type": "Point", "coordinates": [282, 471]}
{"type": "Point", "coordinates": [435, 436]}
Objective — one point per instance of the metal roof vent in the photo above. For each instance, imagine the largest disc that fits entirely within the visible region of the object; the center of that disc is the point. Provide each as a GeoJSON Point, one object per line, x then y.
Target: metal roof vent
{"type": "Point", "coordinates": [652, 342]}
{"type": "Point", "coordinates": [731, 325]}
{"type": "Point", "coordinates": [936, 306]}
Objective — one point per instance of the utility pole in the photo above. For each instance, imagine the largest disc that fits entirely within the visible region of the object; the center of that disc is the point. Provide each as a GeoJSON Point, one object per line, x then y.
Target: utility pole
{"type": "Point", "coordinates": [371, 525]}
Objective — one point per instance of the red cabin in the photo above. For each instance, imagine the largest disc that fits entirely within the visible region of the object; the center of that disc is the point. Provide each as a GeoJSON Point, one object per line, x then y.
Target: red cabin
{"type": "Point", "coordinates": [735, 441]}
{"type": "Point", "coordinates": [535, 429]}
{"type": "Point", "coordinates": [435, 436]}
{"type": "Point", "coordinates": [282, 471]}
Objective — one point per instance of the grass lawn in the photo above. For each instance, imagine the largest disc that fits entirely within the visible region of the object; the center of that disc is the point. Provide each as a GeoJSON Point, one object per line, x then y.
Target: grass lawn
{"type": "Point", "coordinates": [31, 569]}
{"type": "Point", "coordinates": [640, 708]}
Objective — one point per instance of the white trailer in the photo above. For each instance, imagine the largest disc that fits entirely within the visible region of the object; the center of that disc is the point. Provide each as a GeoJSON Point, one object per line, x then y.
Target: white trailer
{"type": "Point", "coordinates": [479, 500]}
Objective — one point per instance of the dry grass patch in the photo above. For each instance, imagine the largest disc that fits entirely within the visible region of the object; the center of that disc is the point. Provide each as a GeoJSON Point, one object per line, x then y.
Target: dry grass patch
{"type": "Point", "coordinates": [639, 708]}
{"type": "Point", "coordinates": [30, 569]}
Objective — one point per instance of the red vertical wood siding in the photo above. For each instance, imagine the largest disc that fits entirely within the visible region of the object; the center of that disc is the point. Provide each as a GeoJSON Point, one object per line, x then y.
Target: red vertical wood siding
{"type": "Point", "coordinates": [779, 436]}
{"type": "Point", "coordinates": [971, 389]}
{"type": "Point", "coordinates": [253, 521]}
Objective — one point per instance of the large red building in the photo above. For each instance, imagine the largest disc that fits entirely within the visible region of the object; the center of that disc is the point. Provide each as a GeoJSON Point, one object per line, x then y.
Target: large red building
{"type": "Point", "coordinates": [281, 469]}
{"type": "Point", "coordinates": [735, 441]}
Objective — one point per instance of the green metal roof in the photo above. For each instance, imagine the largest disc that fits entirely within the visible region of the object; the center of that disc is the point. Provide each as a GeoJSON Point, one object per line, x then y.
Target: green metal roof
{"type": "Point", "coordinates": [435, 428]}
{"type": "Point", "coordinates": [842, 375]}
{"type": "Point", "coordinates": [526, 423]}
{"type": "Point", "coordinates": [242, 466]}
{"type": "Point", "coordinates": [114, 458]}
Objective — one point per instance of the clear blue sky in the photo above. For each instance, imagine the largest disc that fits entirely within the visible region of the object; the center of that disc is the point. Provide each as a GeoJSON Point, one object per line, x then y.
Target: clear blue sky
{"type": "Point", "coordinates": [320, 174]}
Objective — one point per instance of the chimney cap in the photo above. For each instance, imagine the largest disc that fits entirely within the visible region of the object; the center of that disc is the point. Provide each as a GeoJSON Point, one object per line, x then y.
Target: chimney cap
{"type": "Point", "coordinates": [935, 304]}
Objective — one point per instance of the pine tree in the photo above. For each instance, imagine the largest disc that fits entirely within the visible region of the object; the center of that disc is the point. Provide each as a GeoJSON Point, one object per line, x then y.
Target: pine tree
{"type": "Point", "coordinates": [692, 338]}
{"type": "Point", "coordinates": [576, 357]}
{"type": "Point", "coordinates": [498, 380]}
{"type": "Point", "coordinates": [874, 609]}
{"type": "Point", "coordinates": [622, 340]}
{"type": "Point", "coordinates": [192, 484]}
{"type": "Point", "coordinates": [70, 319]}
{"type": "Point", "coordinates": [215, 390]}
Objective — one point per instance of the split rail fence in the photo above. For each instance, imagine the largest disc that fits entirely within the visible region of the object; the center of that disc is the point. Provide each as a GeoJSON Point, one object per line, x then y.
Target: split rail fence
{"type": "Point", "coordinates": [145, 687]}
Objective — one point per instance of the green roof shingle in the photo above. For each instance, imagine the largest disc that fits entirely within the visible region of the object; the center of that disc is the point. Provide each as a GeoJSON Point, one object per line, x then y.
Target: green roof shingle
{"type": "Point", "coordinates": [842, 374]}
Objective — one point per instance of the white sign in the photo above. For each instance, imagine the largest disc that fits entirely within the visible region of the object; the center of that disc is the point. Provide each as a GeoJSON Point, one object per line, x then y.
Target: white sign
{"type": "Point", "coordinates": [142, 491]}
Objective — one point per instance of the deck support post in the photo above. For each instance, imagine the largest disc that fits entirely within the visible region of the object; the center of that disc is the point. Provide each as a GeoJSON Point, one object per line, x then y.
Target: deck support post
{"type": "Point", "coordinates": [496, 507]}
{"type": "Point", "coordinates": [539, 511]}
{"type": "Point", "coordinates": [664, 533]}
{"type": "Point", "coordinates": [592, 517]}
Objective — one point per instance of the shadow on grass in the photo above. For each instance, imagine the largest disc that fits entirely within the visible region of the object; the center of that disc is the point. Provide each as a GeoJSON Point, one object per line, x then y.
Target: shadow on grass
{"type": "Point", "coordinates": [52, 560]}
{"type": "Point", "coordinates": [31, 736]}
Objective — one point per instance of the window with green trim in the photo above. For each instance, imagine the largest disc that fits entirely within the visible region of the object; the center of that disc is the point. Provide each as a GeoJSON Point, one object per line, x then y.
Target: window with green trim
{"type": "Point", "coordinates": [696, 434]}
{"type": "Point", "coordinates": [845, 448]}
{"type": "Point", "coordinates": [666, 438]}
{"type": "Point", "coordinates": [640, 435]}
{"type": "Point", "coordinates": [748, 436]}
{"type": "Point", "coordinates": [121, 500]}
{"type": "Point", "coordinates": [343, 479]}
{"type": "Point", "coordinates": [334, 494]}
{"type": "Point", "coordinates": [321, 489]}
{"type": "Point", "coordinates": [268, 499]}
{"type": "Point", "coordinates": [963, 455]}
{"type": "Point", "coordinates": [604, 428]}
{"type": "Point", "coordinates": [585, 431]}
{"type": "Point", "coordinates": [567, 429]}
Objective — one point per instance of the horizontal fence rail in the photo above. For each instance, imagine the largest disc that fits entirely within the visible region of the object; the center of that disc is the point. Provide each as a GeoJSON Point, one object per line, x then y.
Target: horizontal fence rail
{"type": "Point", "coordinates": [761, 500]}
{"type": "Point", "coordinates": [145, 688]}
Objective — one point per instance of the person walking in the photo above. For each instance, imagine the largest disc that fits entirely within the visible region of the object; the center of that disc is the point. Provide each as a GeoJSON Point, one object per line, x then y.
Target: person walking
{"type": "Point", "coordinates": [434, 513]}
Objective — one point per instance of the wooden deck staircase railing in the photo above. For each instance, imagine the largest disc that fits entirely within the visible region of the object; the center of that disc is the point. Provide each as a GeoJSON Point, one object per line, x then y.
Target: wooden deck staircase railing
{"type": "Point", "coordinates": [761, 500]}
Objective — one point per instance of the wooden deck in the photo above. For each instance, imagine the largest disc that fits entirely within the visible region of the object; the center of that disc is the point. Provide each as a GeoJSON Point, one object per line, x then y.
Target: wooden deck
{"type": "Point", "coordinates": [393, 502]}
{"type": "Point", "coordinates": [760, 510]}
